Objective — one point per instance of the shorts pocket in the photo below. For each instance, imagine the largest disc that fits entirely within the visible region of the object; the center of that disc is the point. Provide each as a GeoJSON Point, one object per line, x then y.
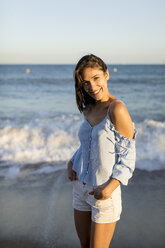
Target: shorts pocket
{"type": "Point", "coordinates": [99, 204]}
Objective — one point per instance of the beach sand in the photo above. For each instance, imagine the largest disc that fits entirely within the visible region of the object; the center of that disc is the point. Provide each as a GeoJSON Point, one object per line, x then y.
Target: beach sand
{"type": "Point", "coordinates": [36, 212]}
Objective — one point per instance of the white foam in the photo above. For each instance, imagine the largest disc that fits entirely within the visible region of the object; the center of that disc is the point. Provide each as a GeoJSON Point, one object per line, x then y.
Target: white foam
{"type": "Point", "coordinates": [39, 141]}
{"type": "Point", "coordinates": [55, 140]}
{"type": "Point", "coordinates": [151, 145]}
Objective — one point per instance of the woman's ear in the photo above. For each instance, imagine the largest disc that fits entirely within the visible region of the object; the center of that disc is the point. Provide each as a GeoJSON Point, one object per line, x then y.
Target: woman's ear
{"type": "Point", "coordinates": [107, 74]}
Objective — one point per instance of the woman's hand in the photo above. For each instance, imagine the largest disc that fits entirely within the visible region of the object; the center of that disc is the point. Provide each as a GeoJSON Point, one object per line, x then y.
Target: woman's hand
{"type": "Point", "coordinates": [71, 173]}
{"type": "Point", "coordinates": [101, 193]}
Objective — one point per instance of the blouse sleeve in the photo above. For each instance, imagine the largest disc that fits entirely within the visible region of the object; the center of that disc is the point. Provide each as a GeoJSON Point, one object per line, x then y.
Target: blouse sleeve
{"type": "Point", "coordinates": [75, 154]}
{"type": "Point", "coordinates": [125, 151]}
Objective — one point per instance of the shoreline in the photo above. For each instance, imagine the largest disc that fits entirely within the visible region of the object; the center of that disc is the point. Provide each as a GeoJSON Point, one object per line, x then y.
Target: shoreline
{"type": "Point", "coordinates": [37, 212]}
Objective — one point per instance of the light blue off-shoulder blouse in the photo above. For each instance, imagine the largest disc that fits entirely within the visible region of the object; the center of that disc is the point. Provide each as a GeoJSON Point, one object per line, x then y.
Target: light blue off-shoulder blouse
{"type": "Point", "coordinates": [104, 153]}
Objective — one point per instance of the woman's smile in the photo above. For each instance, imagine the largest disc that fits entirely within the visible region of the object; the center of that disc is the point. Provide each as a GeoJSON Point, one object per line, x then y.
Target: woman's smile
{"type": "Point", "coordinates": [96, 92]}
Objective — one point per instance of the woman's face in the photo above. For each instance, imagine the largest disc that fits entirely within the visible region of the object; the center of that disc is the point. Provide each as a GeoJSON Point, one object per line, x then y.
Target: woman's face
{"type": "Point", "coordinates": [95, 83]}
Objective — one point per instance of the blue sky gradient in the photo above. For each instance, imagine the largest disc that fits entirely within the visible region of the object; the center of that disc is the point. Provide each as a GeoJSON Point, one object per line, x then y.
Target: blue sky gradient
{"type": "Point", "coordinates": [50, 31]}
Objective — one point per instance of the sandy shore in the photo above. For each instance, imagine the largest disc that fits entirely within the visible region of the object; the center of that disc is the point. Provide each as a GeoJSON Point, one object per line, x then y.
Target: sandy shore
{"type": "Point", "coordinates": [36, 211]}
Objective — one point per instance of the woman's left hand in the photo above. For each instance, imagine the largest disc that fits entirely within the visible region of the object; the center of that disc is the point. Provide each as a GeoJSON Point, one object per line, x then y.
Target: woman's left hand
{"type": "Point", "coordinates": [100, 193]}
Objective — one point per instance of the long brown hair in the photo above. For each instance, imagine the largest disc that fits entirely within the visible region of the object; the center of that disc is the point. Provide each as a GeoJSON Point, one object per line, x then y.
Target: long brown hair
{"type": "Point", "coordinates": [92, 61]}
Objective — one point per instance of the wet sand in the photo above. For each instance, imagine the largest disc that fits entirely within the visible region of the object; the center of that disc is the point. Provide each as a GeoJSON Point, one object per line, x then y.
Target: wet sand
{"type": "Point", "coordinates": [36, 211]}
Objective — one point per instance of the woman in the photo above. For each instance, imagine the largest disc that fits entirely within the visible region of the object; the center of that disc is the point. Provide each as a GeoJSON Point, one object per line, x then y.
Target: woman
{"type": "Point", "coordinates": [105, 158]}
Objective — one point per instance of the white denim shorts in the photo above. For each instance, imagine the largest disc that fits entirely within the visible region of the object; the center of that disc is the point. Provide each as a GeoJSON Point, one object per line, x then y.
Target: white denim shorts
{"type": "Point", "coordinates": [102, 211]}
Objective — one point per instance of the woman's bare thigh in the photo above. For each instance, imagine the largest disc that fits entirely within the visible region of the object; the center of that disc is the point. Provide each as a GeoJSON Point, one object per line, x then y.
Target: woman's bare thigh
{"type": "Point", "coordinates": [83, 226]}
{"type": "Point", "coordinates": [101, 234]}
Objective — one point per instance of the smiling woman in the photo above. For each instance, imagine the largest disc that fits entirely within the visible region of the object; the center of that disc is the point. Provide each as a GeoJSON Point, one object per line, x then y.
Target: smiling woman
{"type": "Point", "coordinates": [105, 158]}
{"type": "Point", "coordinates": [82, 84]}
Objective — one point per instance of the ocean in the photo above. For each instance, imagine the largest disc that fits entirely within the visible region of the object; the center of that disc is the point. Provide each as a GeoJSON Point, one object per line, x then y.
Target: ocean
{"type": "Point", "coordinates": [39, 119]}
{"type": "Point", "coordinates": [39, 123]}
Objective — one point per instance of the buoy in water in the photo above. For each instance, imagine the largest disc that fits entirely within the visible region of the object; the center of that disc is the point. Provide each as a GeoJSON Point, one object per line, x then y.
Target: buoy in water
{"type": "Point", "coordinates": [115, 69]}
{"type": "Point", "coordinates": [27, 70]}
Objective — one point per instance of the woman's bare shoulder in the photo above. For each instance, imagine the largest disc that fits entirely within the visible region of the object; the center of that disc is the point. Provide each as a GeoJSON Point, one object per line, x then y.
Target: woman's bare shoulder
{"type": "Point", "coordinates": [121, 119]}
{"type": "Point", "coordinates": [117, 105]}
{"type": "Point", "coordinates": [118, 110]}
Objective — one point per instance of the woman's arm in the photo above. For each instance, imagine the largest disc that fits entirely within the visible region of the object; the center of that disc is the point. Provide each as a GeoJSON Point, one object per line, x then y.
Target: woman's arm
{"type": "Point", "coordinates": [72, 173]}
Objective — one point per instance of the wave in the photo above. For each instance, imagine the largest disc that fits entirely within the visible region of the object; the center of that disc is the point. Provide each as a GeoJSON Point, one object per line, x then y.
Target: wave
{"type": "Point", "coordinates": [150, 145]}
{"type": "Point", "coordinates": [45, 145]}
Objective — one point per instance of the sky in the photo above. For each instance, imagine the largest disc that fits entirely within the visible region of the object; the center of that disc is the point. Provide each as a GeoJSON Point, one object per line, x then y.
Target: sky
{"type": "Point", "coordinates": [62, 31]}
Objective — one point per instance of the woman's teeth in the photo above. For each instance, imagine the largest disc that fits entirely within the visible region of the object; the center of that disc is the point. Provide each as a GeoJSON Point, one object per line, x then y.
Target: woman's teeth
{"type": "Point", "coordinates": [96, 92]}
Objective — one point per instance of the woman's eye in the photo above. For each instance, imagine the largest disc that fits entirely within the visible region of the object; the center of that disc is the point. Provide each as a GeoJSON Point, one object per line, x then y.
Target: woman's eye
{"type": "Point", "coordinates": [96, 78]}
{"type": "Point", "coordinates": [85, 84]}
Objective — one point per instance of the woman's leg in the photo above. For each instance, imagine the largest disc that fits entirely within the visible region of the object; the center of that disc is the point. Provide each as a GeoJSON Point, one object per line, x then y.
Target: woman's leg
{"type": "Point", "coordinates": [101, 234]}
{"type": "Point", "coordinates": [83, 226]}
